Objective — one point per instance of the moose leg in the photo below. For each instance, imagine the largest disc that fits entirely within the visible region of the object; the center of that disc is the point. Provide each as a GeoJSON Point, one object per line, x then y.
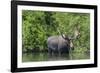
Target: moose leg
{"type": "Point", "coordinates": [50, 52]}
{"type": "Point", "coordinates": [59, 52]}
{"type": "Point", "coordinates": [70, 53]}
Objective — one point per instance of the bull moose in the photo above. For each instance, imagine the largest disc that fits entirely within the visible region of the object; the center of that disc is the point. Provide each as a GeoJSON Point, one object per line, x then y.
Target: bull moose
{"type": "Point", "coordinates": [62, 43]}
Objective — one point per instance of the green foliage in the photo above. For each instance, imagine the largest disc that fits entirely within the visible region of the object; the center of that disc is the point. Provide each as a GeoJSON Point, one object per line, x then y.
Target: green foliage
{"type": "Point", "coordinates": [37, 26]}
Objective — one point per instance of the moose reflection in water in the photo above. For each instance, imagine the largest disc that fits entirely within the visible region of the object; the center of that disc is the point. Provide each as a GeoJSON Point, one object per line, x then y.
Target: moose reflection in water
{"type": "Point", "coordinates": [43, 56]}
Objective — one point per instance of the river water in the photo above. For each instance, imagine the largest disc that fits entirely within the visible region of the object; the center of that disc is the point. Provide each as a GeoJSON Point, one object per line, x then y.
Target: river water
{"type": "Point", "coordinates": [35, 57]}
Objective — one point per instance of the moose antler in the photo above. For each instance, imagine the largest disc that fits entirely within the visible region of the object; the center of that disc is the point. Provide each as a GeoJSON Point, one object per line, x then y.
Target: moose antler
{"type": "Point", "coordinates": [76, 32]}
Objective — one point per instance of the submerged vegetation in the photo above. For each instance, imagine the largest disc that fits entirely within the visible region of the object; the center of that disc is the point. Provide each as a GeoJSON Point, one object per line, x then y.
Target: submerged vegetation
{"type": "Point", "coordinates": [37, 26]}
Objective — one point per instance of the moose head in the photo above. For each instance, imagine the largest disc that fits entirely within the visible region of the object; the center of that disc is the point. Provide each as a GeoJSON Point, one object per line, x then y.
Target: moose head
{"type": "Point", "coordinates": [70, 39]}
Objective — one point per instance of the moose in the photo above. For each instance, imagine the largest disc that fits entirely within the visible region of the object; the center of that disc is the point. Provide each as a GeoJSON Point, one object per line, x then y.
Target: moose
{"type": "Point", "coordinates": [62, 43]}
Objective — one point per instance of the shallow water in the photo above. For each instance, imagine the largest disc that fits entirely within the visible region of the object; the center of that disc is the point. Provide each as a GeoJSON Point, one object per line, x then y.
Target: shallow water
{"type": "Point", "coordinates": [34, 57]}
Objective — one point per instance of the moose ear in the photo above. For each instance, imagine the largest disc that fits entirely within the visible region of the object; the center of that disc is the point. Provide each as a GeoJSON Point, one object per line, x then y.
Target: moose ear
{"type": "Point", "coordinates": [70, 38]}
